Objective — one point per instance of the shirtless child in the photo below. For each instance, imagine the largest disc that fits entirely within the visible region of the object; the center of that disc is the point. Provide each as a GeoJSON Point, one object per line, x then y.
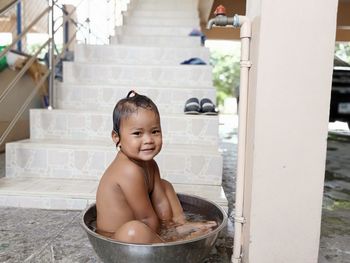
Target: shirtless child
{"type": "Point", "coordinates": [132, 200]}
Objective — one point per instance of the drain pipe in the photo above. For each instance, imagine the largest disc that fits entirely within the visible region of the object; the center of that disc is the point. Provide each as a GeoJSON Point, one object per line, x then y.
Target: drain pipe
{"type": "Point", "coordinates": [245, 34]}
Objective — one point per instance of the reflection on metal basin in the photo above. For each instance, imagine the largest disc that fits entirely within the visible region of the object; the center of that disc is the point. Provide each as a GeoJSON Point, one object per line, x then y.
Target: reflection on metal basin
{"type": "Point", "coordinates": [186, 251]}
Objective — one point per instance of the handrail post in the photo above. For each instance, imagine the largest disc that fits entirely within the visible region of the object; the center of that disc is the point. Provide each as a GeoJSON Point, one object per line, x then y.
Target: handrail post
{"type": "Point", "coordinates": [51, 54]}
{"type": "Point", "coordinates": [19, 24]}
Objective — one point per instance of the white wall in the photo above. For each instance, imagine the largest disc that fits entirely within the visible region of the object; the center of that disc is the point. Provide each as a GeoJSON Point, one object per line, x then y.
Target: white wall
{"type": "Point", "coordinates": [290, 82]}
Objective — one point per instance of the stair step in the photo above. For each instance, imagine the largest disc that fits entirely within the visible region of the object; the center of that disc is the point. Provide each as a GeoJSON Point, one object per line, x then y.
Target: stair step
{"type": "Point", "coordinates": [123, 54]}
{"type": "Point", "coordinates": [89, 159]}
{"type": "Point", "coordinates": [157, 41]}
{"type": "Point", "coordinates": [154, 21]}
{"type": "Point", "coordinates": [70, 148]}
{"type": "Point", "coordinates": [104, 97]}
{"type": "Point", "coordinates": [166, 6]}
{"type": "Point", "coordinates": [153, 30]}
{"type": "Point", "coordinates": [73, 194]}
{"type": "Point", "coordinates": [165, 14]}
{"type": "Point", "coordinates": [172, 76]}
{"type": "Point", "coordinates": [97, 126]}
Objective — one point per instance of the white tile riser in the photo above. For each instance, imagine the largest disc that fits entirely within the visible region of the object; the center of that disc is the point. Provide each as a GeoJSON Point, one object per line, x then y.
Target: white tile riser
{"type": "Point", "coordinates": [173, 76]}
{"type": "Point", "coordinates": [71, 162]}
{"type": "Point", "coordinates": [151, 21]}
{"type": "Point", "coordinates": [152, 31]}
{"type": "Point", "coordinates": [152, 41]}
{"type": "Point", "coordinates": [138, 55]}
{"type": "Point", "coordinates": [169, 14]}
{"type": "Point", "coordinates": [168, 100]}
{"type": "Point", "coordinates": [46, 124]}
{"type": "Point", "coordinates": [186, 7]}
{"type": "Point", "coordinates": [42, 202]}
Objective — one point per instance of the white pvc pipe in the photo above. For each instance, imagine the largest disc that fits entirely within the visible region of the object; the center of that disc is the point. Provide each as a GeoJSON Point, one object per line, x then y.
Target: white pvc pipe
{"type": "Point", "coordinates": [245, 35]}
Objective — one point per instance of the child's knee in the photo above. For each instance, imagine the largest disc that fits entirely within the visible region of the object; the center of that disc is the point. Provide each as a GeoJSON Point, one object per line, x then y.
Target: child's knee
{"type": "Point", "coordinates": [131, 228]}
{"type": "Point", "coordinates": [132, 231]}
{"type": "Point", "coordinates": [167, 185]}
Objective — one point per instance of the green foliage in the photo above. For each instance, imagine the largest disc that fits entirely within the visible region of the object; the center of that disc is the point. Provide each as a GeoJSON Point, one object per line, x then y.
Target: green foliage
{"type": "Point", "coordinates": [342, 50]}
{"type": "Point", "coordinates": [225, 74]}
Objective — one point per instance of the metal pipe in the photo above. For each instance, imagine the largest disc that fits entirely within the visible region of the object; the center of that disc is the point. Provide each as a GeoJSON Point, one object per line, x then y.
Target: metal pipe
{"type": "Point", "coordinates": [220, 20]}
{"type": "Point", "coordinates": [65, 28]}
{"type": "Point", "coordinates": [245, 34]}
{"type": "Point", "coordinates": [19, 25]}
{"type": "Point", "coordinates": [210, 23]}
{"type": "Point", "coordinates": [51, 65]}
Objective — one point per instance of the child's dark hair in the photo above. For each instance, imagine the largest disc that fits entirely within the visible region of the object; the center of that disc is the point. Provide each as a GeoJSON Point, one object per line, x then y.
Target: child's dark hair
{"type": "Point", "coordinates": [130, 105]}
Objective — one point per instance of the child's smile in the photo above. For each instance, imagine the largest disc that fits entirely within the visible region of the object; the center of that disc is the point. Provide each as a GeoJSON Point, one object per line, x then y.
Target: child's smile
{"type": "Point", "coordinates": [140, 135]}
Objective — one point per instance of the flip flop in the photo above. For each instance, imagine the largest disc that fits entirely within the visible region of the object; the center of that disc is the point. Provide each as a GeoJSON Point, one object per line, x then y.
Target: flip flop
{"type": "Point", "coordinates": [208, 107]}
{"type": "Point", "coordinates": [193, 61]}
{"type": "Point", "coordinates": [192, 106]}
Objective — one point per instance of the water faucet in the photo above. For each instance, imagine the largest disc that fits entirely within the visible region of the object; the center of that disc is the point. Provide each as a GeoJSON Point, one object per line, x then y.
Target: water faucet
{"type": "Point", "coordinates": [221, 19]}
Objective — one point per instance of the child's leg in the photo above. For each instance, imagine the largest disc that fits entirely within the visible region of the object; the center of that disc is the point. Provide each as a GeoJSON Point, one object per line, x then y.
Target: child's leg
{"type": "Point", "coordinates": [136, 232]}
{"type": "Point", "coordinates": [192, 229]}
{"type": "Point", "coordinates": [178, 214]}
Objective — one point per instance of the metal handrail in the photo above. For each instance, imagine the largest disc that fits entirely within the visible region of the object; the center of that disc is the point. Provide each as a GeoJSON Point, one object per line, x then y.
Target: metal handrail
{"type": "Point", "coordinates": [64, 49]}
{"type": "Point", "coordinates": [22, 71]}
{"type": "Point", "coordinates": [23, 107]}
{"type": "Point", "coordinates": [8, 7]}
{"type": "Point", "coordinates": [8, 48]}
{"type": "Point", "coordinates": [52, 61]}
{"type": "Point", "coordinates": [77, 24]}
{"type": "Point", "coordinates": [50, 71]}
{"type": "Point", "coordinates": [67, 17]}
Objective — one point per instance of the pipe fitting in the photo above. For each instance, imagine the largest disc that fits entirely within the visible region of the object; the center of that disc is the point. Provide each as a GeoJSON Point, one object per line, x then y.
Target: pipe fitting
{"type": "Point", "coordinates": [236, 21]}
{"type": "Point", "coordinates": [210, 23]}
{"type": "Point", "coordinates": [244, 23]}
{"type": "Point", "coordinates": [220, 20]}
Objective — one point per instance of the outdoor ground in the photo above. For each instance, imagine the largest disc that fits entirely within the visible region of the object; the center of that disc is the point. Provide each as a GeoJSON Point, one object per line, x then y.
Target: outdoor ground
{"type": "Point", "coordinates": [33, 235]}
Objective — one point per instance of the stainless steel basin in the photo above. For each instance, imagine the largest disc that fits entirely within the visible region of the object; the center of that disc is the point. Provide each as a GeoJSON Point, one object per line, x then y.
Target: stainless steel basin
{"type": "Point", "coordinates": [189, 251]}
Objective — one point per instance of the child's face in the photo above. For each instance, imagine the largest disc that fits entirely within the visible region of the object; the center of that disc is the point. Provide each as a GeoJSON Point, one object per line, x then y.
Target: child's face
{"type": "Point", "coordinates": [140, 135]}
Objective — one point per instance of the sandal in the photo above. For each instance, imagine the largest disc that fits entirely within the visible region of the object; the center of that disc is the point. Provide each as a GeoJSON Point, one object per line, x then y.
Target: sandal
{"type": "Point", "coordinates": [192, 106]}
{"type": "Point", "coordinates": [208, 107]}
{"type": "Point", "coordinates": [193, 61]}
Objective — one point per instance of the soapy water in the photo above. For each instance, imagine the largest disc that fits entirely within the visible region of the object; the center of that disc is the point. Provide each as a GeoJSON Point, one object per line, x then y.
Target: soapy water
{"type": "Point", "coordinates": [196, 225]}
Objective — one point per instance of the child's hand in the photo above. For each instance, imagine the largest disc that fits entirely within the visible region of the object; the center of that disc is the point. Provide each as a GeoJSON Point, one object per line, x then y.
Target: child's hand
{"type": "Point", "coordinates": [190, 227]}
{"type": "Point", "coordinates": [180, 220]}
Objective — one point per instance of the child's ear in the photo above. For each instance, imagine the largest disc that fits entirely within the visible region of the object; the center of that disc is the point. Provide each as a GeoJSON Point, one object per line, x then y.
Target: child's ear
{"type": "Point", "coordinates": [115, 137]}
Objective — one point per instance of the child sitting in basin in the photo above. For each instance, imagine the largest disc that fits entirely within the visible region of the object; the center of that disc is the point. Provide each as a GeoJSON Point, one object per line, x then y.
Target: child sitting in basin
{"type": "Point", "coordinates": [132, 200]}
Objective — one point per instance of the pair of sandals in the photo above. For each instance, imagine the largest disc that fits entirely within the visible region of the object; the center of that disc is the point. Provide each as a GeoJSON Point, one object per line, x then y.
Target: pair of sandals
{"type": "Point", "coordinates": [205, 106]}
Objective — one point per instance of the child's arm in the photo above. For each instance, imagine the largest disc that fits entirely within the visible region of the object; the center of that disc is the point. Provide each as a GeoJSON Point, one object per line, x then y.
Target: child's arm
{"type": "Point", "coordinates": [136, 193]}
{"type": "Point", "coordinates": [164, 199]}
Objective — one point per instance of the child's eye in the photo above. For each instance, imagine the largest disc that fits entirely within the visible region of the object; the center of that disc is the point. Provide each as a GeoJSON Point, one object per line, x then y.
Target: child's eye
{"type": "Point", "coordinates": [156, 131]}
{"type": "Point", "coordinates": [136, 133]}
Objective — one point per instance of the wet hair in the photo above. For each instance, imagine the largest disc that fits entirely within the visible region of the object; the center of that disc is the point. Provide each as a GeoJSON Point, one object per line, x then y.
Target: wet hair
{"type": "Point", "coordinates": [129, 105]}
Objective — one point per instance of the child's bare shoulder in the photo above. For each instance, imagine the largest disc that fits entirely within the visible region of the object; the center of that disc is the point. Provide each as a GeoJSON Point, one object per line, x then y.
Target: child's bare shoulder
{"type": "Point", "coordinates": [121, 169]}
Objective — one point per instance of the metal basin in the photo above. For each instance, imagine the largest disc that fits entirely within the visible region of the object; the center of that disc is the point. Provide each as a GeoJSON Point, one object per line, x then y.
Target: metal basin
{"type": "Point", "coordinates": [188, 251]}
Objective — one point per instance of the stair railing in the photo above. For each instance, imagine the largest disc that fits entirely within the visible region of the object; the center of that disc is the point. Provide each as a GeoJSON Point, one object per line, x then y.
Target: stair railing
{"type": "Point", "coordinates": [50, 44]}
{"type": "Point", "coordinates": [49, 74]}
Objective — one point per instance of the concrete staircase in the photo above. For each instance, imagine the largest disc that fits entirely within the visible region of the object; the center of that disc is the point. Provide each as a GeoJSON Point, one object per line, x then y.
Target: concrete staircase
{"type": "Point", "coordinates": [70, 147]}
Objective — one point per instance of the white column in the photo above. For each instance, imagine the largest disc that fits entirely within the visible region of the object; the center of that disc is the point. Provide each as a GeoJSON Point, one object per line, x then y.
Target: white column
{"type": "Point", "coordinates": [290, 84]}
